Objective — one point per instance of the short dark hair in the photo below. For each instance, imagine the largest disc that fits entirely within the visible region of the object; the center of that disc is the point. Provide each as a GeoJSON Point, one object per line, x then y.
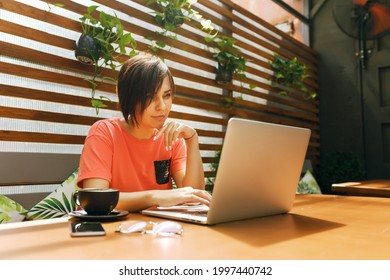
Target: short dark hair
{"type": "Point", "coordinates": [139, 79]}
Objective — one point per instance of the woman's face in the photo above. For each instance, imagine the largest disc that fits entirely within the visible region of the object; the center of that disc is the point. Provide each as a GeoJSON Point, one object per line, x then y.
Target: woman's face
{"type": "Point", "coordinates": [158, 110]}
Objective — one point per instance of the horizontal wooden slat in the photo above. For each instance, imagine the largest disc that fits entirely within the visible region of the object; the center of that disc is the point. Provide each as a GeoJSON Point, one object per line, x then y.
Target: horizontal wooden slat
{"type": "Point", "coordinates": [27, 114]}
{"type": "Point", "coordinates": [34, 94]}
{"type": "Point", "coordinates": [256, 115]}
{"type": "Point", "coordinates": [52, 77]}
{"type": "Point", "coordinates": [36, 137]}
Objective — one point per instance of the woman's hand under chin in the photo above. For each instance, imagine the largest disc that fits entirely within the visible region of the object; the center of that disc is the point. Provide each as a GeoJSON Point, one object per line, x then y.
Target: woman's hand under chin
{"type": "Point", "coordinates": [173, 130]}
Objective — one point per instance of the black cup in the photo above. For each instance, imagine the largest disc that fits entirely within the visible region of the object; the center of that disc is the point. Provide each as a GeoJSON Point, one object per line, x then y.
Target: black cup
{"type": "Point", "coordinates": [97, 201]}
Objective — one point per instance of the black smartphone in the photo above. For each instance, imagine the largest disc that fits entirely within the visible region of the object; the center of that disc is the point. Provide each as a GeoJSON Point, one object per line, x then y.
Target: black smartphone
{"type": "Point", "coordinates": [86, 229]}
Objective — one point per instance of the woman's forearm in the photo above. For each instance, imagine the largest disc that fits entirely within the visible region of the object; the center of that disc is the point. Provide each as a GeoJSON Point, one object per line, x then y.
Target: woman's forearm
{"type": "Point", "coordinates": [194, 175]}
{"type": "Point", "coordinates": [135, 201]}
{"type": "Point", "coordinates": [130, 201]}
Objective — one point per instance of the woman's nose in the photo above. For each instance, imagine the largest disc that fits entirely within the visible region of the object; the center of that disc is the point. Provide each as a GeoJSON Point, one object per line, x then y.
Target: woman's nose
{"type": "Point", "coordinates": [160, 104]}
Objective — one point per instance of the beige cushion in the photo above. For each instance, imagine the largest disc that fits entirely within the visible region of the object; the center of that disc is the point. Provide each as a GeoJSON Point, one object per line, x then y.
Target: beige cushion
{"type": "Point", "coordinates": [308, 184]}
{"type": "Point", "coordinates": [11, 211]}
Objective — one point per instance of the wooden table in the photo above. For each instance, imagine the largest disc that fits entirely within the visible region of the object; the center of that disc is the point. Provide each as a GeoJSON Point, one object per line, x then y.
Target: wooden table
{"type": "Point", "coordinates": [379, 188]}
{"type": "Point", "coordinates": [318, 227]}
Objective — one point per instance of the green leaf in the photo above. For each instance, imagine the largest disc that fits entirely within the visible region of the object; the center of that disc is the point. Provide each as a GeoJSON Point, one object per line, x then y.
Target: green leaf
{"type": "Point", "coordinates": [161, 44]}
{"type": "Point", "coordinates": [150, 2]}
{"type": "Point", "coordinates": [126, 39]}
{"type": "Point", "coordinates": [68, 207]}
{"type": "Point", "coordinates": [56, 204]}
{"type": "Point", "coordinates": [149, 38]}
{"type": "Point", "coordinates": [91, 9]}
{"type": "Point", "coordinates": [98, 104]}
{"type": "Point", "coordinates": [159, 19]}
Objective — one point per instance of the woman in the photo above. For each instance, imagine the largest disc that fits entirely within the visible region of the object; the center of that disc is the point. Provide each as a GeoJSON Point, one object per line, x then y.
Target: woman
{"type": "Point", "coordinates": [140, 153]}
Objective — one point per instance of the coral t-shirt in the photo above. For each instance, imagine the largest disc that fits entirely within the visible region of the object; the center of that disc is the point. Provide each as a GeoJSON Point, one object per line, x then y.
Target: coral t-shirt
{"type": "Point", "coordinates": [129, 164]}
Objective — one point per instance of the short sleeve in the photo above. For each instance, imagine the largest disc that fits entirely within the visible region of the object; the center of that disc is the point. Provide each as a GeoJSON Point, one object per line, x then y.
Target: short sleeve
{"type": "Point", "coordinates": [96, 156]}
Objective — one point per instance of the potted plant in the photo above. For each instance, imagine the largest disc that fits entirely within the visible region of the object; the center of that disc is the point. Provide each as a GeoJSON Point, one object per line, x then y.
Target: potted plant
{"type": "Point", "coordinates": [171, 14]}
{"type": "Point", "coordinates": [213, 168]}
{"type": "Point", "coordinates": [289, 73]}
{"type": "Point", "coordinates": [87, 49]}
{"type": "Point", "coordinates": [337, 167]}
{"type": "Point", "coordinates": [102, 41]}
{"type": "Point", "coordinates": [228, 56]}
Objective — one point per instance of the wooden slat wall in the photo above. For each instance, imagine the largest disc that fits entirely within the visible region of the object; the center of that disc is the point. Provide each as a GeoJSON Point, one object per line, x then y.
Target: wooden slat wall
{"type": "Point", "coordinates": [195, 89]}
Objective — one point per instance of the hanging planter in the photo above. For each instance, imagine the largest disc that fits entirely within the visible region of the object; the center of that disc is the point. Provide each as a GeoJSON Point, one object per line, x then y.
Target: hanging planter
{"type": "Point", "coordinates": [102, 42]}
{"type": "Point", "coordinates": [224, 75]}
{"type": "Point", "coordinates": [289, 73]}
{"type": "Point", "coordinates": [229, 58]}
{"type": "Point", "coordinates": [172, 18]}
{"type": "Point", "coordinates": [170, 15]}
{"type": "Point", "coordinates": [87, 49]}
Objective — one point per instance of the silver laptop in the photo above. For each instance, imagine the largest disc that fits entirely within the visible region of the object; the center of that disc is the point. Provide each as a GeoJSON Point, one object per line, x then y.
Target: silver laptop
{"type": "Point", "coordinates": [257, 176]}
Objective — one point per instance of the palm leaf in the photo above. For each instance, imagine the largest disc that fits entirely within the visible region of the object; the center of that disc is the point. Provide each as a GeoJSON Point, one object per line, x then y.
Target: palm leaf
{"type": "Point", "coordinates": [68, 204]}
{"type": "Point", "coordinates": [52, 208]}
{"type": "Point", "coordinates": [54, 204]}
{"type": "Point", "coordinates": [47, 214]}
